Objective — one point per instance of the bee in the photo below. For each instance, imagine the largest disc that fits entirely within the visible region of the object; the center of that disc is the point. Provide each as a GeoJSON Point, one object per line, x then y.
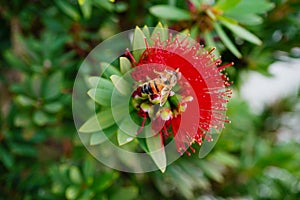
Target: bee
{"type": "Point", "coordinates": [161, 85]}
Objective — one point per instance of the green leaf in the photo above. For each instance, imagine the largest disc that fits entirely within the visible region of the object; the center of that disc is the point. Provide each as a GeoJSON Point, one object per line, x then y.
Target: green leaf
{"type": "Point", "coordinates": [107, 5]}
{"type": "Point", "coordinates": [194, 32]}
{"type": "Point", "coordinates": [107, 70]}
{"type": "Point", "coordinates": [127, 130]}
{"type": "Point", "coordinates": [160, 31]}
{"type": "Point", "coordinates": [183, 182]}
{"type": "Point", "coordinates": [121, 7]}
{"type": "Point", "coordinates": [14, 61]}
{"type": "Point", "coordinates": [138, 43]}
{"type": "Point", "coordinates": [22, 119]}
{"type": "Point", "coordinates": [99, 82]}
{"type": "Point", "coordinates": [157, 151]}
{"type": "Point", "coordinates": [40, 118]}
{"type": "Point", "coordinates": [88, 170]}
{"type": "Point", "coordinates": [226, 159]}
{"type": "Point", "coordinates": [254, 6]}
{"type": "Point", "coordinates": [102, 120]}
{"type": "Point", "coordinates": [194, 174]}
{"type": "Point", "coordinates": [170, 12]}
{"type": "Point", "coordinates": [36, 85]}
{"type": "Point", "coordinates": [80, 2]}
{"type": "Point", "coordinates": [146, 31]}
{"type": "Point", "coordinates": [101, 96]}
{"type": "Point", "coordinates": [227, 42]}
{"type": "Point", "coordinates": [97, 138]}
{"type": "Point", "coordinates": [75, 175]}
{"type": "Point", "coordinates": [101, 136]}
{"type": "Point", "coordinates": [24, 100]}
{"type": "Point", "coordinates": [211, 170]}
{"type": "Point", "coordinates": [125, 193]}
{"type": "Point", "coordinates": [121, 85]}
{"type": "Point", "coordinates": [207, 146]}
{"type": "Point", "coordinates": [105, 180]}
{"type": "Point", "coordinates": [247, 19]}
{"type": "Point", "coordinates": [242, 33]}
{"type": "Point", "coordinates": [53, 107]}
{"type": "Point", "coordinates": [6, 158]}
{"type": "Point", "coordinates": [87, 194]}
{"type": "Point", "coordinates": [86, 8]}
{"type": "Point", "coordinates": [125, 65]}
{"type": "Point", "coordinates": [123, 138]}
{"type": "Point", "coordinates": [72, 192]}
{"type": "Point", "coordinates": [129, 126]}
{"type": "Point", "coordinates": [53, 85]}
{"type": "Point", "coordinates": [23, 149]}
{"type": "Point", "coordinates": [226, 4]}
{"type": "Point", "coordinates": [68, 9]}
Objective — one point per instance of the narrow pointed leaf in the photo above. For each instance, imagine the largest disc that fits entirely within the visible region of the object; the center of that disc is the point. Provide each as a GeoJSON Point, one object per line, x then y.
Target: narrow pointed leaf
{"type": "Point", "coordinates": [86, 8]}
{"type": "Point", "coordinates": [53, 86]}
{"type": "Point", "coordinates": [211, 170]}
{"type": "Point", "coordinates": [207, 146]}
{"type": "Point", "coordinates": [227, 42]}
{"type": "Point", "coordinates": [170, 12]}
{"type": "Point", "coordinates": [138, 43]}
{"type": "Point", "coordinates": [194, 32]}
{"type": "Point", "coordinates": [102, 136]}
{"type": "Point", "coordinates": [126, 193]}
{"type": "Point", "coordinates": [101, 96]}
{"type": "Point", "coordinates": [40, 118]}
{"type": "Point", "coordinates": [68, 9]}
{"type": "Point", "coordinates": [226, 4]}
{"type": "Point", "coordinates": [246, 19]}
{"type": "Point", "coordinates": [157, 151]}
{"type": "Point", "coordinates": [75, 175]}
{"type": "Point", "coordinates": [242, 32]}
{"type": "Point", "coordinates": [160, 31]}
{"type": "Point", "coordinates": [146, 31]}
{"type": "Point", "coordinates": [254, 6]}
{"type": "Point", "coordinates": [24, 100]}
{"type": "Point", "coordinates": [123, 138]}
{"type": "Point", "coordinates": [107, 70]}
{"type": "Point", "coordinates": [125, 65]}
{"type": "Point", "coordinates": [121, 85]}
{"type": "Point", "coordinates": [53, 107]}
{"type": "Point", "coordinates": [36, 85]}
{"type": "Point", "coordinates": [127, 131]}
{"type": "Point", "coordinates": [99, 82]}
{"type": "Point", "coordinates": [97, 138]}
{"type": "Point", "coordinates": [102, 120]}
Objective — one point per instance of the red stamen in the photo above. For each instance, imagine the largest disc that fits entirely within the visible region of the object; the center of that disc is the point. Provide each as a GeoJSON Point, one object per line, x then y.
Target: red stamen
{"type": "Point", "coordinates": [142, 125]}
{"type": "Point", "coordinates": [128, 53]}
{"type": "Point", "coordinates": [212, 49]}
{"type": "Point", "coordinates": [225, 66]}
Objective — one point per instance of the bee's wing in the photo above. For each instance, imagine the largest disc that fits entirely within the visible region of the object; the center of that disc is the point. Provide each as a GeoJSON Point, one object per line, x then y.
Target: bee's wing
{"type": "Point", "coordinates": [164, 94]}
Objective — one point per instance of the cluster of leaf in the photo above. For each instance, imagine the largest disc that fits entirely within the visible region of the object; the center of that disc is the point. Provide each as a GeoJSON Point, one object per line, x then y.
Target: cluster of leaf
{"type": "Point", "coordinates": [207, 21]}
{"type": "Point", "coordinates": [41, 46]}
{"type": "Point", "coordinates": [271, 26]}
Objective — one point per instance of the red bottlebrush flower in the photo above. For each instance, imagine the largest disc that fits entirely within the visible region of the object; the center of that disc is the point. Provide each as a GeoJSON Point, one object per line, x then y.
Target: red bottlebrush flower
{"type": "Point", "coordinates": [199, 103]}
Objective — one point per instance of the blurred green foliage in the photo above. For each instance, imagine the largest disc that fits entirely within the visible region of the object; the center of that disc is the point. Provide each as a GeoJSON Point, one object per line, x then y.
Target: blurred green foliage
{"type": "Point", "coordinates": [42, 44]}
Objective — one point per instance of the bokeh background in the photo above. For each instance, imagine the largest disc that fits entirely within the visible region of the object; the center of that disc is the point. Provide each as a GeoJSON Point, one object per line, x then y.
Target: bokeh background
{"type": "Point", "coordinates": [42, 44]}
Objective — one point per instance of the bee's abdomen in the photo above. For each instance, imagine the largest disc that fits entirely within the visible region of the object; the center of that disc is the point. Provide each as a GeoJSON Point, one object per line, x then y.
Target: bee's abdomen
{"type": "Point", "coordinates": [147, 89]}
